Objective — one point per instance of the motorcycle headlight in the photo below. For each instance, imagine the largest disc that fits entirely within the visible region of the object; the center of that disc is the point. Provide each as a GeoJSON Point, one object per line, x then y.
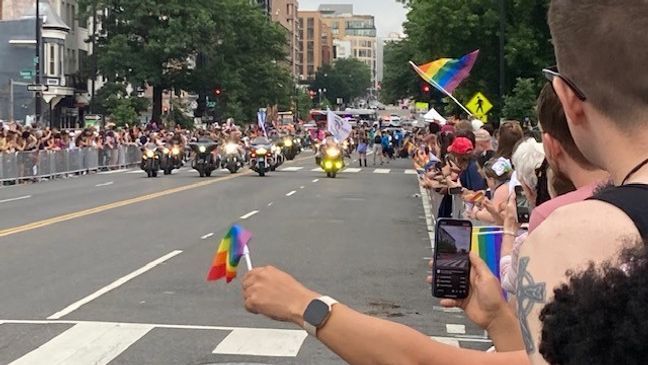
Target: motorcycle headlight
{"type": "Point", "coordinates": [175, 150]}
{"type": "Point", "coordinates": [298, 140]}
{"type": "Point", "coordinates": [202, 149]}
{"type": "Point", "coordinates": [338, 165]}
{"type": "Point", "coordinates": [166, 151]}
{"type": "Point", "coordinates": [261, 151]}
{"type": "Point", "coordinates": [333, 152]}
{"type": "Point", "coordinates": [328, 165]}
{"type": "Point", "coordinates": [273, 149]}
{"type": "Point", "coordinates": [149, 153]}
{"type": "Point", "coordinates": [231, 148]}
{"type": "Point", "coordinates": [288, 142]}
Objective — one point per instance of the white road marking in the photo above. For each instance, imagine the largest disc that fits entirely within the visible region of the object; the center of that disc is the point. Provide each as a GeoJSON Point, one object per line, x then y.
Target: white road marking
{"type": "Point", "coordinates": [206, 236]}
{"type": "Point", "coordinates": [136, 172]}
{"type": "Point", "coordinates": [447, 340]}
{"type": "Point", "coordinates": [352, 169]}
{"type": "Point", "coordinates": [121, 281]}
{"type": "Point", "coordinates": [447, 310]}
{"type": "Point", "coordinates": [104, 184]}
{"type": "Point", "coordinates": [301, 187]}
{"type": "Point", "coordinates": [381, 171]}
{"type": "Point", "coordinates": [291, 193]}
{"type": "Point", "coordinates": [293, 168]}
{"type": "Point", "coordinates": [316, 180]}
{"type": "Point", "coordinates": [86, 343]}
{"type": "Point", "coordinates": [249, 214]}
{"type": "Point", "coordinates": [410, 172]}
{"type": "Point", "coordinates": [262, 342]}
{"type": "Point", "coordinates": [270, 204]}
{"type": "Point", "coordinates": [14, 199]}
{"type": "Point", "coordinates": [113, 171]}
{"type": "Point", "coordinates": [456, 329]}
{"type": "Point", "coordinates": [317, 169]}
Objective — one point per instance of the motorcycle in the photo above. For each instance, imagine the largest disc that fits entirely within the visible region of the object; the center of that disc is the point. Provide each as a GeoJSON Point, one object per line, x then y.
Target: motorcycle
{"type": "Point", "coordinates": [332, 161]}
{"type": "Point", "coordinates": [232, 159]}
{"type": "Point", "coordinates": [204, 160]}
{"type": "Point", "coordinates": [261, 158]}
{"type": "Point", "coordinates": [171, 158]}
{"type": "Point", "coordinates": [150, 161]}
{"type": "Point", "coordinates": [277, 156]}
{"type": "Point", "coordinates": [347, 147]}
{"type": "Point", "coordinates": [290, 148]}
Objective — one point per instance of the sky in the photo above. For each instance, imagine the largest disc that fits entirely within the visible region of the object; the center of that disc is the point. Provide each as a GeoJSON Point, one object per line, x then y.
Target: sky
{"type": "Point", "coordinates": [389, 14]}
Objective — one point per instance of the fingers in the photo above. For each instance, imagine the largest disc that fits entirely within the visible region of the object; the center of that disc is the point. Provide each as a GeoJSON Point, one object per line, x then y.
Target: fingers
{"type": "Point", "coordinates": [478, 265]}
{"type": "Point", "coordinates": [450, 303]}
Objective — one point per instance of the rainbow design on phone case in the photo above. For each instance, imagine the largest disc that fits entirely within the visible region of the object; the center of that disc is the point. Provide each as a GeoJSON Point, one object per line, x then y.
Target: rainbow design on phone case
{"type": "Point", "coordinates": [487, 243]}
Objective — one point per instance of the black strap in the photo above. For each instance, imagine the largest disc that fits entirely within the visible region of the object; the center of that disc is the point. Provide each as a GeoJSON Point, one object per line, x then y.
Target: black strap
{"type": "Point", "coordinates": [632, 199]}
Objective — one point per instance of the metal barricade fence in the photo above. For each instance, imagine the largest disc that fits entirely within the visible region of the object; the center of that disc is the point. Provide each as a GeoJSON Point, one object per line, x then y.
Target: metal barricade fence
{"type": "Point", "coordinates": [23, 165]}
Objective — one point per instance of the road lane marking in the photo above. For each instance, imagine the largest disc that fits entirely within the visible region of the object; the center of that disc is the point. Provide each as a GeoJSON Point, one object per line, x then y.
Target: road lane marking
{"type": "Point", "coordinates": [381, 171]}
{"type": "Point", "coordinates": [105, 184]}
{"type": "Point", "coordinates": [315, 180]}
{"type": "Point", "coordinates": [410, 172]}
{"type": "Point", "coordinates": [118, 204]}
{"type": "Point", "coordinates": [262, 342]}
{"type": "Point", "coordinates": [270, 204]}
{"type": "Point", "coordinates": [206, 236]}
{"type": "Point", "coordinates": [114, 172]}
{"type": "Point", "coordinates": [352, 169]}
{"type": "Point", "coordinates": [15, 199]}
{"type": "Point", "coordinates": [86, 343]}
{"type": "Point", "coordinates": [446, 340]}
{"type": "Point", "coordinates": [291, 193]}
{"type": "Point", "coordinates": [249, 214]}
{"type": "Point", "coordinates": [136, 172]}
{"type": "Point", "coordinates": [293, 168]}
{"type": "Point", "coordinates": [115, 284]}
{"type": "Point", "coordinates": [456, 329]}
{"type": "Point", "coordinates": [317, 169]}
{"type": "Point", "coordinates": [301, 187]}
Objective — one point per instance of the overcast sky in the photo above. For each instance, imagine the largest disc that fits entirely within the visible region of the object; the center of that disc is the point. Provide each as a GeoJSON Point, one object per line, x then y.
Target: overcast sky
{"type": "Point", "coordinates": [389, 14]}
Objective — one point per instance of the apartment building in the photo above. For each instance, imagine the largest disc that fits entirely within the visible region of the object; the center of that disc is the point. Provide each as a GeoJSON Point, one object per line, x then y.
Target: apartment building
{"type": "Point", "coordinates": [316, 44]}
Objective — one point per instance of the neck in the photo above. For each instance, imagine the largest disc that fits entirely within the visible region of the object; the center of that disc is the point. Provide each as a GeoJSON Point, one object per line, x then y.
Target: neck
{"type": "Point", "coordinates": [625, 156]}
{"type": "Point", "coordinates": [582, 177]}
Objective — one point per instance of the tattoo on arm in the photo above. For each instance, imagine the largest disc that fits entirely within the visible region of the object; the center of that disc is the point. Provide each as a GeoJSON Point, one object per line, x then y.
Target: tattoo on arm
{"type": "Point", "coordinates": [529, 293]}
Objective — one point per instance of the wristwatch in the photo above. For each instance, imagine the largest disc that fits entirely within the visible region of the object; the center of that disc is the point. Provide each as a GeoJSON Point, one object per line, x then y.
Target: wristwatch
{"type": "Point", "coordinates": [317, 313]}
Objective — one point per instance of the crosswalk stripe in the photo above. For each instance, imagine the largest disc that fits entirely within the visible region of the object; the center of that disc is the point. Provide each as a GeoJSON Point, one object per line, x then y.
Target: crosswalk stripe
{"type": "Point", "coordinates": [114, 171]}
{"type": "Point", "coordinates": [447, 341]}
{"type": "Point", "coordinates": [136, 172]}
{"type": "Point", "coordinates": [352, 169]}
{"type": "Point", "coordinates": [262, 342]}
{"type": "Point", "coordinates": [381, 171]}
{"type": "Point", "coordinates": [292, 168]}
{"type": "Point", "coordinates": [410, 172]}
{"type": "Point", "coordinates": [319, 169]}
{"type": "Point", "coordinates": [456, 329]}
{"type": "Point", "coordinates": [86, 343]}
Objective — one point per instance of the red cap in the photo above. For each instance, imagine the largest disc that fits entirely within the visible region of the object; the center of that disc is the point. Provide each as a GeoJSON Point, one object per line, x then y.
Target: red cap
{"type": "Point", "coordinates": [461, 146]}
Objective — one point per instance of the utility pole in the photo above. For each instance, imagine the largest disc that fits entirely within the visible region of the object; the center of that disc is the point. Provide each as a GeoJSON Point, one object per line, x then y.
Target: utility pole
{"type": "Point", "coordinates": [94, 55]}
{"type": "Point", "coordinates": [502, 61]}
{"type": "Point", "coordinates": [11, 100]}
{"type": "Point", "coordinates": [37, 99]}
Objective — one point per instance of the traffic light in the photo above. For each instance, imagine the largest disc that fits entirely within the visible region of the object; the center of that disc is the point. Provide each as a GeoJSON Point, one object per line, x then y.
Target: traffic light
{"type": "Point", "coordinates": [218, 91]}
{"type": "Point", "coordinates": [426, 88]}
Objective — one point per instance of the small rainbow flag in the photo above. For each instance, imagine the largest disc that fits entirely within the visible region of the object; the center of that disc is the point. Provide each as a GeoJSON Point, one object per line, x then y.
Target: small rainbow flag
{"type": "Point", "coordinates": [230, 250]}
{"type": "Point", "coordinates": [447, 73]}
{"type": "Point", "coordinates": [487, 243]}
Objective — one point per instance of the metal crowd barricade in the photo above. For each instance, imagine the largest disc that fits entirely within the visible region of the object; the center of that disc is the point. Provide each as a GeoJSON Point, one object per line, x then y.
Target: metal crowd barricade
{"type": "Point", "coordinates": [29, 165]}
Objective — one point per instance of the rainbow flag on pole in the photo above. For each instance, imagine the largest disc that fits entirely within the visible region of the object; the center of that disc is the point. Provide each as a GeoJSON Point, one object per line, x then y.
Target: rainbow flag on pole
{"type": "Point", "coordinates": [487, 243]}
{"type": "Point", "coordinates": [230, 250]}
{"type": "Point", "coordinates": [446, 74]}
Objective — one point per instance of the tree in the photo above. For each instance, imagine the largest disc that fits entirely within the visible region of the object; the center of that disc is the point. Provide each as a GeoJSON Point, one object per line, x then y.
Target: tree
{"type": "Point", "coordinates": [520, 103]}
{"type": "Point", "coordinates": [398, 81]}
{"type": "Point", "coordinates": [123, 112]}
{"type": "Point", "coordinates": [113, 100]}
{"type": "Point", "coordinates": [346, 79]}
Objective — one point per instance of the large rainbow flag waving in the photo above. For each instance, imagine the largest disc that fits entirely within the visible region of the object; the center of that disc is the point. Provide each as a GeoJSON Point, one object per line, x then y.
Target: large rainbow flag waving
{"type": "Point", "coordinates": [446, 74]}
{"type": "Point", "coordinates": [230, 250]}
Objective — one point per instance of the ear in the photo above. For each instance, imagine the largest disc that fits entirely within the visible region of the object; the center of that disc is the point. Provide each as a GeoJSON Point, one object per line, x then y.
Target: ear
{"type": "Point", "coordinates": [553, 148]}
{"type": "Point", "coordinates": [572, 105]}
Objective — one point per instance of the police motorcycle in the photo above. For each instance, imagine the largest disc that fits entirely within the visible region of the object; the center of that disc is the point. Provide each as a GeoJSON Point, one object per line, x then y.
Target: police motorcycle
{"type": "Point", "coordinates": [171, 158]}
{"type": "Point", "coordinates": [261, 155]}
{"type": "Point", "coordinates": [332, 159]}
{"type": "Point", "coordinates": [277, 154]}
{"type": "Point", "coordinates": [150, 159]}
{"type": "Point", "coordinates": [290, 147]}
{"type": "Point", "coordinates": [231, 157]}
{"type": "Point", "coordinates": [205, 160]}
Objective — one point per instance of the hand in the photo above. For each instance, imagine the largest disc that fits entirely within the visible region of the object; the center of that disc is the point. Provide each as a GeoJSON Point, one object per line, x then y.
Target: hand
{"type": "Point", "coordinates": [510, 215]}
{"type": "Point", "coordinates": [485, 302]}
{"type": "Point", "coordinates": [494, 211]}
{"type": "Point", "coordinates": [275, 294]}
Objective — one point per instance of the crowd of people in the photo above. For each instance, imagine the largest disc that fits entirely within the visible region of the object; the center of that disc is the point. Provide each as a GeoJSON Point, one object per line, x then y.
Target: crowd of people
{"type": "Point", "coordinates": [576, 275]}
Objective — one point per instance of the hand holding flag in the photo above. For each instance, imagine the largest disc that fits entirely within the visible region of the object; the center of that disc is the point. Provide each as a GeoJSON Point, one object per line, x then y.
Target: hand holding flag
{"type": "Point", "coordinates": [230, 250]}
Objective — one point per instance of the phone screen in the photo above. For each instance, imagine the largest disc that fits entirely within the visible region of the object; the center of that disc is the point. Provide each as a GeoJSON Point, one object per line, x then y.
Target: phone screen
{"type": "Point", "coordinates": [522, 205]}
{"type": "Point", "coordinates": [455, 190]}
{"type": "Point", "coordinates": [451, 269]}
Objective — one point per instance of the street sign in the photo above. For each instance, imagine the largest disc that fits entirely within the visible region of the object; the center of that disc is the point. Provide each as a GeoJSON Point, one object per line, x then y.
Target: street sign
{"type": "Point", "coordinates": [27, 74]}
{"type": "Point", "coordinates": [37, 88]}
{"type": "Point", "coordinates": [479, 105]}
{"type": "Point", "coordinates": [211, 104]}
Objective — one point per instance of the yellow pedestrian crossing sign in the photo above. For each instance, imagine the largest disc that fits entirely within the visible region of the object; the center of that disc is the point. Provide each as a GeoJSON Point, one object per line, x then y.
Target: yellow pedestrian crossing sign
{"type": "Point", "coordinates": [479, 105]}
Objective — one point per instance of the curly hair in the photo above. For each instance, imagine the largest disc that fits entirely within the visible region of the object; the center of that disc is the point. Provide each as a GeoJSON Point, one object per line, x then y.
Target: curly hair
{"type": "Point", "coordinates": [601, 315]}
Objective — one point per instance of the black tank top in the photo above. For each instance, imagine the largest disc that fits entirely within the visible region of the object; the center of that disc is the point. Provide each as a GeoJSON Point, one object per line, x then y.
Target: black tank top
{"type": "Point", "coordinates": [632, 199]}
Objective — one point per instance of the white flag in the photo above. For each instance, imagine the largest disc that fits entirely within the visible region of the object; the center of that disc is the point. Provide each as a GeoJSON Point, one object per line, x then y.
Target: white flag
{"type": "Point", "coordinates": [261, 117]}
{"type": "Point", "coordinates": [339, 128]}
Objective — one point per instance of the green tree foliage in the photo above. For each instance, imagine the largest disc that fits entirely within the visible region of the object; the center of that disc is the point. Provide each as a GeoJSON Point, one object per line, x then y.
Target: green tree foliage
{"type": "Point", "coordinates": [113, 100]}
{"type": "Point", "coordinates": [346, 79]}
{"type": "Point", "coordinates": [123, 112]}
{"type": "Point", "coordinates": [521, 102]}
{"type": "Point", "coordinates": [452, 28]}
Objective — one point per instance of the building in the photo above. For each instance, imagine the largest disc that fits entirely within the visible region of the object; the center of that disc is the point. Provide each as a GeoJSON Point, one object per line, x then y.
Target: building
{"type": "Point", "coordinates": [380, 53]}
{"type": "Point", "coordinates": [359, 30]}
{"type": "Point", "coordinates": [284, 12]}
{"type": "Point", "coordinates": [63, 47]}
{"type": "Point", "coordinates": [316, 44]}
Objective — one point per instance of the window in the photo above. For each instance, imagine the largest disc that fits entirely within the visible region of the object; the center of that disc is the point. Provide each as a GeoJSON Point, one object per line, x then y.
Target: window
{"type": "Point", "coordinates": [72, 17]}
{"type": "Point", "coordinates": [310, 56]}
{"type": "Point", "coordinates": [52, 60]}
{"type": "Point", "coordinates": [61, 69]}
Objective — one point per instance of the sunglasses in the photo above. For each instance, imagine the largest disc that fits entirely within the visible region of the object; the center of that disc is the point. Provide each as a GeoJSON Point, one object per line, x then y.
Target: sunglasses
{"type": "Point", "coordinates": [552, 72]}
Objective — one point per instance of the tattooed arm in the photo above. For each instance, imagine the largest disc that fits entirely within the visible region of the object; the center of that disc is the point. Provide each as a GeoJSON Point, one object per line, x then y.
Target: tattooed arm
{"type": "Point", "coordinates": [570, 238]}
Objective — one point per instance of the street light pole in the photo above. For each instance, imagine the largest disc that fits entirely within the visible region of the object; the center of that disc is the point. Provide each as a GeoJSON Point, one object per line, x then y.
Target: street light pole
{"type": "Point", "coordinates": [94, 55]}
{"type": "Point", "coordinates": [502, 63]}
{"type": "Point", "coordinates": [37, 99]}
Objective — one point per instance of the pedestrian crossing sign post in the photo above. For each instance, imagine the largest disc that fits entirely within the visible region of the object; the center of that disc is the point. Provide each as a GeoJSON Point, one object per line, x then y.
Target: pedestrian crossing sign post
{"type": "Point", "coordinates": [479, 105]}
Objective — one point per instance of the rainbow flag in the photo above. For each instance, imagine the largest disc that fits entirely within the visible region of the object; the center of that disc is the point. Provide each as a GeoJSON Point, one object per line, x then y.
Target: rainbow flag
{"type": "Point", "coordinates": [487, 243]}
{"type": "Point", "coordinates": [229, 253]}
{"type": "Point", "coordinates": [447, 73]}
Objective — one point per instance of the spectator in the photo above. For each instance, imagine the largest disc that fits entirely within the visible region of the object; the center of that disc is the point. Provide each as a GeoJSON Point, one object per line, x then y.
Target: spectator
{"type": "Point", "coordinates": [509, 134]}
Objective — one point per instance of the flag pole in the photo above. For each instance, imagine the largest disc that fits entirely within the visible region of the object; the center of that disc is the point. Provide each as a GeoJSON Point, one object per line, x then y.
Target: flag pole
{"type": "Point", "coordinates": [248, 261]}
{"type": "Point", "coordinates": [438, 87]}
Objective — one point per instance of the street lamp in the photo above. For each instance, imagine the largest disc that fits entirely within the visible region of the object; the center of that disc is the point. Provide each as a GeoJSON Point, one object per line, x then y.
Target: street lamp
{"type": "Point", "coordinates": [37, 80]}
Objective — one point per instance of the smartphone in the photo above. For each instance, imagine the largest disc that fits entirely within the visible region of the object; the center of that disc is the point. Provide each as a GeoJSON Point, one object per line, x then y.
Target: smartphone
{"type": "Point", "coordinates": [455, 190]}
{"type": "Point", "coordinates": [451, 266]}
{"type": "Point", "coordinates": [522, 205]}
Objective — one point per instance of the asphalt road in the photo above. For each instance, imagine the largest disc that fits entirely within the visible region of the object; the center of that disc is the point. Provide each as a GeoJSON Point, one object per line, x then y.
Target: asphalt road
{"type": "Point", "coordinates": [110, 268]}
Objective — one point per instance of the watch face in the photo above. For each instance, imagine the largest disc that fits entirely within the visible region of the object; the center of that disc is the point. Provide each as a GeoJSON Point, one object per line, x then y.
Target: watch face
{"type": "Point", "coordinates": [316, 313]}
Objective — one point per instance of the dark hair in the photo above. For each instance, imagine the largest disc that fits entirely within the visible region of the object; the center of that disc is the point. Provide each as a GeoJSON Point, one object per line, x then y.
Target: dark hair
{"type": "Point", "coordinates": [434, 128]}
{"type": "Point", "coordinates": [510, 133]}
{"type": "Point", "coordinates": [489, 128]}
{"type": "Point", "coordinates": [554, 122]}
{"type": "Point", "coordinates": [600, 316]}
{"type": "Point", "coordinates": [444, 139]}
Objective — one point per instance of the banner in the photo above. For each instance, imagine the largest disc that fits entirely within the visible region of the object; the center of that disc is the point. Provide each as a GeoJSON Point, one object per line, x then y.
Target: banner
{"type": "Point", "coordinates": [261, 118]}
{"type": "Point", "coordinates": [339, 128]}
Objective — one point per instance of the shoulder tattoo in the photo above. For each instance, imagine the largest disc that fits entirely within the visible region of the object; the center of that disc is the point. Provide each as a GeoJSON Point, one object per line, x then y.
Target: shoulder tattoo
{"type": "Point", "coordinates": [529, 293]}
